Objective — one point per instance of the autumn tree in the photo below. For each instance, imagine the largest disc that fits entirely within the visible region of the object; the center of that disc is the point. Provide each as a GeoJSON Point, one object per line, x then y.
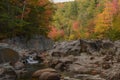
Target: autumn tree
{"type": "Point", "coordinates": [96, 18]}
{"type": "Point", "coordinates": [106, 21]}
{"type": "Point", "coordinates": [55, 33]}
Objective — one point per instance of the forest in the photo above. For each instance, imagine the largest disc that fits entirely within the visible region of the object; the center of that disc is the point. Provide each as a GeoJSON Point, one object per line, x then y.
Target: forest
{"type": "Point", "coordinates": [24, 18]}
{"type": "Point", "coordinates": [87, 19]}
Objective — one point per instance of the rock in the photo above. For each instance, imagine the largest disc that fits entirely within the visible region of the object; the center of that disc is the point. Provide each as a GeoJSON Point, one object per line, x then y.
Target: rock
{"type": "Point", "coordinates": [79, 69]}
{"type": "Point", "coordinates": [60, 66]}
{"type": "Point", "coordinates": [34, 43]}
{"type": "Point", "coordinates": [113, 73]}
{"type": "Point", "coordinates": [78, 60]}
{"type": "Point", "coordinates": [61, 63]}
{"type": "Point", "coordinates": [7, 74]}
{"type": "Point", "coordinates": [39, 72]}
{"type": "Point", "coordinates": [117, 43]}
{"type": "Point", "coordinates": [46, 74]}
{"type": "Point", "coordinates": [2, 70]}
{"type": "Point", "coordinates": [66, 48]}
{"type": "Point", "coordinates": [22, 73]}
{"type": "Point", "coordinates": [94, 47]}
{"type": "Point", "coordinates": [108, 47]}
{"type": "Point", "coordinates": [89, 46]}
{"type": "Point", "coordinates": [68, 78]}
{"type": "Point", "coordinates": [88, 77]}
{"type": "Point", "coordinates": [49, 76]}
{"type": "Point", "coordinates": [18, 65]}
{"type": "Point", "coordinates": [8, 55]}
{"type": "Point", "coordinates": [67, 60]}
{"type": "Point", "coordinates": [75, 68]}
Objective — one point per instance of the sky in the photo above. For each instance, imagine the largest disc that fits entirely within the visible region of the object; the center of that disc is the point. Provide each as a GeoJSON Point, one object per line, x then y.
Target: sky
{"type": "Point", "coordinates": [56, 1]}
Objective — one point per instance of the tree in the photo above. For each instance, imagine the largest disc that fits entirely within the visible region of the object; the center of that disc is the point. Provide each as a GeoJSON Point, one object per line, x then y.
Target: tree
{"type": "Point", "coordinates": [55, 34]}
{"type": "Point", "coordinates": [25, 17]}
{"type": "Point", "coordinates": [105, 20]}
{"type": "Point", "coordinates": [65, 16]}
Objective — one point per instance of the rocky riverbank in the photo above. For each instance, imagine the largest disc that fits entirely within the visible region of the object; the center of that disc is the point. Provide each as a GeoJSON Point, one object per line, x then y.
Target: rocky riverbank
{"type": "Point", "coordinates": [87, 59]}
{"type": "Point", "coordinates": [70, 60]}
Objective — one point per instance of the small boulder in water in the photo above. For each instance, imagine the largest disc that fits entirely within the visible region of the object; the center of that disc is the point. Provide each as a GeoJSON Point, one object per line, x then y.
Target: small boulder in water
{"type": "Point", "coordinates": [46, 74]}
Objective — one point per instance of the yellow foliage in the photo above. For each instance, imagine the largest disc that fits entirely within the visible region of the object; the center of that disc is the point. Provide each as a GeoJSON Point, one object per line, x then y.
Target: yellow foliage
{"type": "Point", "coordinates": [72, 37]}
{"type": "Point", "coordinates": [104, 20]}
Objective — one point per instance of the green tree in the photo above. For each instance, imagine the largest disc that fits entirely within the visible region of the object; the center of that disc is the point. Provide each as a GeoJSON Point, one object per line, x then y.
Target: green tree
{"type": "Point", "coordinates": [24, 17]}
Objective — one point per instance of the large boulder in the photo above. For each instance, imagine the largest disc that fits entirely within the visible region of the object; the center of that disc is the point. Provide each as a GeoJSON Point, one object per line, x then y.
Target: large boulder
{"type": "Point", "coordinates": [8, 55]}
{"type": "Point", "coordinates": [39, 72]}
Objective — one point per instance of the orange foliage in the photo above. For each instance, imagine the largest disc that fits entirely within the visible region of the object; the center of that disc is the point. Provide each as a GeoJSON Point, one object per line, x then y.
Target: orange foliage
{"type": "Point", "coordinates": [55, 33]}
{"type": "Point", "coordinates": [104, 19]}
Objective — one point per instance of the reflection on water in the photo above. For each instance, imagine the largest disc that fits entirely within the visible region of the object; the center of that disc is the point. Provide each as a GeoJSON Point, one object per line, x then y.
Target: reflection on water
{"type": "Point", "coordinates": [31, 68]}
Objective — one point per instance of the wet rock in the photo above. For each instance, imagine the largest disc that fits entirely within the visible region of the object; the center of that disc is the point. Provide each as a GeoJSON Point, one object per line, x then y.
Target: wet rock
{"type": "Point", "coordinates": [46, 74]}
{"type": "Point", "coordinates": [19, 65]}
{"type": "Point", "coordinates": [7, 74]}
{"type": "Point", "coordinates": [49, 76]}
{"type": "Point", "coordinates": [39, 72]}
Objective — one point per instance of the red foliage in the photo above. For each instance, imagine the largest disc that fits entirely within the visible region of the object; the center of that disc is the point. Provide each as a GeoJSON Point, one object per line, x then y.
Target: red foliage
{"type": "Point", "coordinates": [115, 6]}
{"type": "Point", "coordinates": [75, 26]}
{"type": "Point", "coordinates": [55, 33]}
